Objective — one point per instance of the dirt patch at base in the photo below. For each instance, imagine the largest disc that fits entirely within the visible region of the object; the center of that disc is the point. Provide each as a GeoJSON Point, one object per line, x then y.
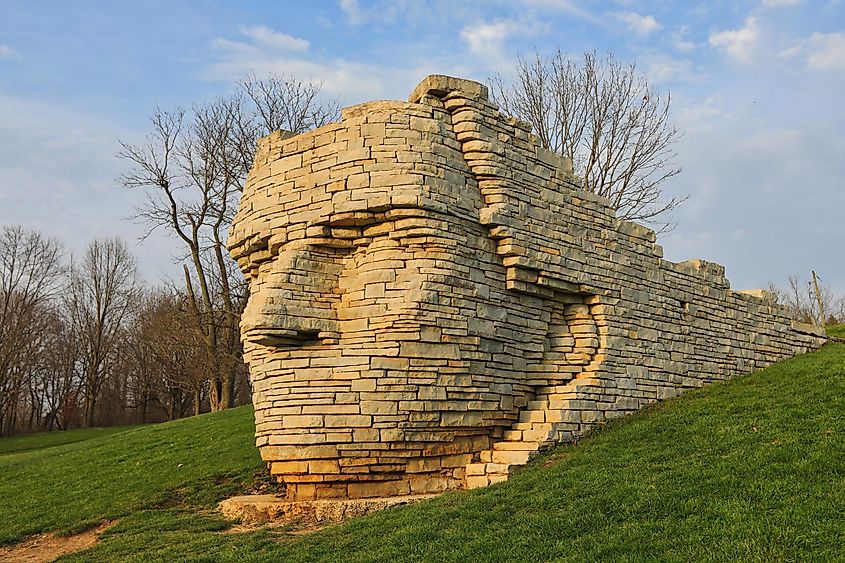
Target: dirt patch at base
{"type": "Point", "coordinates": [298, 526]}
{"type": "Point", "coordinates": [47, 547]}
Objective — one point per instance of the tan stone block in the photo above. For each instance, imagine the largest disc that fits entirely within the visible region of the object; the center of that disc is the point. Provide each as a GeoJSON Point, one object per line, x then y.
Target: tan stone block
{"type": "Point", "coordinates": [464, 419]}
{"type": "Point", "coordinates": [276, 453]}
{"type": "Point", "coordinates": [477, 481]}
{"type": "Point", "coordinates": [363, 385]}
{"type": "Point", "coordinates": [379, 407]}
{"type": "Point", "coordinates": [422, 465]}
{"type": "Point", "coordinates": [392, 434]}
{"type": "Point", "coordinates": [429, 350]}
{"type": "Point", "coordinates": [303, 421]}
{"type": "Point", "coordinates": [348, 421]}
{"type": "Point", "coordinates": [389, 363]}
{"type": "Point", "coordinates": [288, 467]}
{"type": "Point", "coordinates": [318, 466]}
{"type": "Point", "coordinates": [305, 491]}
{"type": "Point", "coordinates": [429, 485]}
{"type": "Point", "coordinates": [460, 460]}
{"type": "Point", "coordinates": [476, 469]}
{"type": "Point", "coordinates": [378, 489]}
{"type": "Point", "coordinates": [331, 409]}
{"type": "Point", "coordinates": [510, 457]}
{"type": "Point", "coordinates": [365, 435]}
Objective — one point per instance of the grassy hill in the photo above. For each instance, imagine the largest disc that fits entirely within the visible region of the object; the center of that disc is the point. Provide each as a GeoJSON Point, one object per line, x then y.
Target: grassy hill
{"type": "Point", "coordinates": [47, 439]}
{"type": "Point", "coordinates": [751, 469]}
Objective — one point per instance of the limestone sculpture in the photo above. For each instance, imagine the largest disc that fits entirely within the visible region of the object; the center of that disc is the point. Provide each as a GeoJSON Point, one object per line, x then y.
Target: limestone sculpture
{"type": "Point", "coordinates": [434, 299]}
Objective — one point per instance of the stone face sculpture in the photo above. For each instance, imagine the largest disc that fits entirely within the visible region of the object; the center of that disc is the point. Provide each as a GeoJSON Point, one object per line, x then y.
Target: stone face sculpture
{"type": "Point", "coordinates": [434, 299]}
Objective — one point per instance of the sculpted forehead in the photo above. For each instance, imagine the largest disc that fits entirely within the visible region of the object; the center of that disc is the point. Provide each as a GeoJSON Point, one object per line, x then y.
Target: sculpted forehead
{"type": "Point", "coordinates": [383, 157]}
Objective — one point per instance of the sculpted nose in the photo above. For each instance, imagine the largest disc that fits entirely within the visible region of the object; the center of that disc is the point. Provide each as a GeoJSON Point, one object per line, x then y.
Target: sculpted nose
{"type": "Point", "coordinates": [293, 299]}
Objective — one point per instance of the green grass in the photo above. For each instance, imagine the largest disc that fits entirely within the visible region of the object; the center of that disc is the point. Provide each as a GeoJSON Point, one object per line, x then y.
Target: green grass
{"type": "Point", "coordinates": [836, 330]}
{"type": "Point", "coordinates": [69, 487]}
{"type": "Point", "coordinates": [752, 469]}
{"type": "Point", "coordinates": [48, 439]}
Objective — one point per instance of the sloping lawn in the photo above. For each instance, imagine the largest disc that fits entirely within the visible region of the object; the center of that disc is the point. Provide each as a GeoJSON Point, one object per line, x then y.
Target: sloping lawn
{"type": "Point", "coordinates": [49, 439]}
{"type": "Point", "coordinates": [70, 487]}
{"type": "Point", "coordinates": [752, 469]}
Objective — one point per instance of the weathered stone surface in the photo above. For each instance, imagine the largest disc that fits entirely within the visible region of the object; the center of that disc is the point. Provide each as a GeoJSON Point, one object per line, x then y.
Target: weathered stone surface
{"type": "Point", "coordinates": [258, 509]}
{"type": "Point", "coordinates": [434, 299]}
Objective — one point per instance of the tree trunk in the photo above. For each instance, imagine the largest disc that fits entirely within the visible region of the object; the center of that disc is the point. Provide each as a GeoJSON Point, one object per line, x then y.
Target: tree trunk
{"type": "Point", "coordinates": [171, 411]}
{"type": "Point", "coordinates": [90, 404]}
{"type": "Point", "coordinates": [215, 392]}
{"type": "Point", "coordinates": [197, 401]}
{"type": "Point", "coordinates": [228, 397]}
{"type": "Point", "coordinates": [144, 402]}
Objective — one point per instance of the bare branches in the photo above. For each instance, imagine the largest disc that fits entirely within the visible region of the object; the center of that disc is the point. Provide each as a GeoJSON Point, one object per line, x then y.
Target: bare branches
{"type": "Point", "coordinates": [288, 104]}
{"type": "Point", "coordinates": [84, 344]}
{"type": "Point", "coordinates": [608, 120]}
{"type": "Point", "coordinates": [153, 166]}
{"type": "Point", "coordinates": [802, 302]}
{"type": "Point", "coordinates": [103, 288]}
{"type": "Point", "coordinates": [31, 272]}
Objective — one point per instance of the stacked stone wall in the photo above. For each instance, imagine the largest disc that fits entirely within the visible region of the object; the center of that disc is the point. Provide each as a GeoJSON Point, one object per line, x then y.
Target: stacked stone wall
{"type": "Point", "coordinates": [434, 299]}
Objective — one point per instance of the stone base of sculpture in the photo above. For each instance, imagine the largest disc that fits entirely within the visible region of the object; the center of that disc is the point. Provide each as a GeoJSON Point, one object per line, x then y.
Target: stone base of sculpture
{"type": "Point", "coordinates": [259, 510]}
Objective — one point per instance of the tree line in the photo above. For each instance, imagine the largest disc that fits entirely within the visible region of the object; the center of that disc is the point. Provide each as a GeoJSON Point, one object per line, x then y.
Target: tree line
{"type": "Point", "coordinates": [83, 342]}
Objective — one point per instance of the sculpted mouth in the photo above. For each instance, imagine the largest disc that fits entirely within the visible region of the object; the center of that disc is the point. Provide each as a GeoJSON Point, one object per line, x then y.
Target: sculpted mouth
{"type": "Point", "coordinates": [281, 336]}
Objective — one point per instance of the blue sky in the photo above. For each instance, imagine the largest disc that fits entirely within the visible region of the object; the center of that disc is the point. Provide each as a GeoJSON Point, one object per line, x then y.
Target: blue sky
{"type": "Point", "coordinates": [756, 87]}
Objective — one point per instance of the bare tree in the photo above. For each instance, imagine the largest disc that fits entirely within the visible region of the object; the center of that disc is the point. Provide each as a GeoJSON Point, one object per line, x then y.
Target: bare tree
{"type": "Point", "coordinates": [58, 381]}
{"type": "Point", "coordinates": [103, 288]}
{"type": "Point", "coordinates": [30, 276]}
{"type": "Point", "coordinates": [143, 373]}
{"type": "Point", "coordinates": [167, 362]}
{"type": "Point", "coordinates": [287, 104]}
{"type": "Point", "coordinates": [605, 117]}
{"type": "Point", "coordinates": [804, 299]}
{"type": "Point", "coordinates": [193, 167]}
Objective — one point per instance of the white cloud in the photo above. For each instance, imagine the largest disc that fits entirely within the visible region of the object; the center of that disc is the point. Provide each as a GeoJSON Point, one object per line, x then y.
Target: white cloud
{"type": "Point", "coordinates": [7, 52]}
{"type": "Point", "coordinates": [680, 41]}
{"type": "Point", "coordinates": [819, 51]}
{"type": "Point", "coordinates": [779, 3]}
{"type": "Point", "coordinates": [746, 145]}
{"type": "Point", "coordinates": [566, 6]}
{"type": "Point", "coordinates": [738, 43]}
{"type": "Point", "coordinates": [662, 68]}
{"type": "Point", "coordinates": [685, 46]}
{"type": "Point", "coordinates": [385, 12]}
{"type": "Point", "coordinates": [487, 39]}
{"type": "Point", "coordinates": [352, 10]}
{"type": "Point", "coordinates": [72, 193]}
{"type": "Point", "coordinates": [827, 51]}
{"type": "Point", "coordinates": [349, 80]}
{"type": "Point", "coordinates": [790, 52]}
{"type": "Point", "coordinates": [267, 37]}
{"type": "Point", "coordinates": [742, 180]}
{"type": "Point", "coordinates": [640, 25]}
